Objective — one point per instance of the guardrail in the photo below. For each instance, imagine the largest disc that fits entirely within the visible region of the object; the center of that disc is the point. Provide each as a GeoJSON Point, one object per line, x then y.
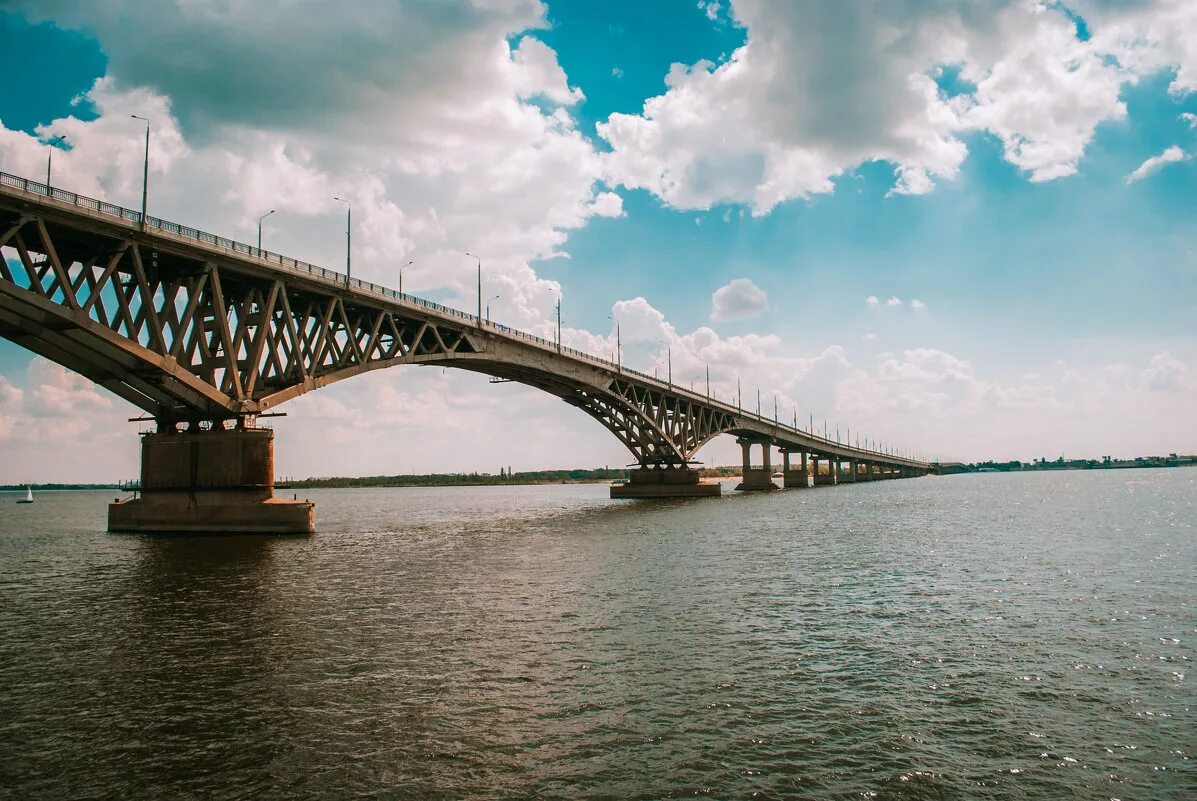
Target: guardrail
{"type": "Point", "coordinates": [296, 265]}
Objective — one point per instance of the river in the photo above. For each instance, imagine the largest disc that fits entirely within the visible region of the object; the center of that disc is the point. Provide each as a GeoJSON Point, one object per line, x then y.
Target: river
{"type": "Point", "coordinates": [998, 636]}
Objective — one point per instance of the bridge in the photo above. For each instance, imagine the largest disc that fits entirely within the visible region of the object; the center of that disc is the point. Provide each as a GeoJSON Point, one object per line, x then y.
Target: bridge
{"type": "Point", "coordinates": [206, 335]}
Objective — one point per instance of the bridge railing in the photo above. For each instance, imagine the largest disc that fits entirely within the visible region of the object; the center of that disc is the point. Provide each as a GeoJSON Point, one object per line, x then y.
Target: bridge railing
{"type": "Point", "coordinates": [332, 276]}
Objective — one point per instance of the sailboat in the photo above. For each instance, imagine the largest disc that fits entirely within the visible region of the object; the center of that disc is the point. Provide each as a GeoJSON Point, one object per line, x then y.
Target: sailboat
{"type": "Point", "coordinates": [28, 495]}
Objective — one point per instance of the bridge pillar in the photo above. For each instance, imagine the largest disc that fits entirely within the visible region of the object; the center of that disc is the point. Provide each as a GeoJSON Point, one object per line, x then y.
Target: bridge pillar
{"type": "Point", "coordinates": [824, 479]}
{"type": "Point", "coordinates": [210, 482]}
{"type": "Point", "coordinates": [654, 481]}
{"type": "Point", "coordinates": [794, 477]}
{"type": "Point", "coordinates": [849, 476]}
{"type": "Point", "coordinates": [755, 478]}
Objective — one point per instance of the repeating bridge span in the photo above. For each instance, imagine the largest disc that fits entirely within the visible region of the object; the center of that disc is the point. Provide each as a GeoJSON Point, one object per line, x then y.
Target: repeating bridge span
{"type": "Point", "coordinates": [191, 327]}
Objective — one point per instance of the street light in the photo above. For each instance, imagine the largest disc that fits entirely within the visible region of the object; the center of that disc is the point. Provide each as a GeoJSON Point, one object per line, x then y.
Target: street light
{"type": "Point", "coordinates": [264, 216]}
{"type": "Point", "coordinates": [496, 297]}
{"type": "Point", "coordinates": [50, 155]}
{"type": "Point", "coordinates": [669, 357]}
{"type": "Point", "coordinates": [401, 269]}
{"type": "Point", "coordinates": [145, 175]}
{"type": "Point", "coordinates": [348, 236]}
{"type": "Point", "coordinates": [618, 346]}
{"type": "Point", "coordinates": [472, 256]}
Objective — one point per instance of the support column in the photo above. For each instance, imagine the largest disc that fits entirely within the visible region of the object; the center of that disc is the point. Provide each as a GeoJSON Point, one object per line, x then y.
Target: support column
{"type": "Point", "coordinates": [756, 478]}
{"type": "Point", "coordinates": [794, 477]}
{"type": "Point", "coordinates": [219, 481]}
{"type": "Point", "coordinates": [850, 476]}
{"type": "Point", "coordinates": [666, 481]}
{"type": "Point", "coordinates": [824, 479]}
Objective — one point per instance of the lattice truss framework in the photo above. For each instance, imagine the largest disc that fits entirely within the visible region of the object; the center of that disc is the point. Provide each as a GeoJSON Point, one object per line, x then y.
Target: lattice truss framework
{"type": "Point", "coordinates": [184, 338]}
{"type": "Point", "coordinates": [190, 339]}
{"type": "Point", "coordinates": [657, 427]}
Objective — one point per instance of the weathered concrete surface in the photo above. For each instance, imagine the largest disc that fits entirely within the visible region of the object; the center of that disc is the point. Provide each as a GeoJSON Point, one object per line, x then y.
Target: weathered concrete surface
{"type": "Point", "coordinates": [211, 512]}
{"type": "Point", "coordinates": [666, 482]}
{"type": "Point", "coordinates": [210, 482]}
{"type": "Point", "coordinates": [795, 479]}
{"type": "Point", "coordinates": [756, 479]}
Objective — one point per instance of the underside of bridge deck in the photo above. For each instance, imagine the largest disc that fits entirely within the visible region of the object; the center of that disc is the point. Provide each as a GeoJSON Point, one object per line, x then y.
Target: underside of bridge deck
{"type": "Point", "coordinates": [206, 335]}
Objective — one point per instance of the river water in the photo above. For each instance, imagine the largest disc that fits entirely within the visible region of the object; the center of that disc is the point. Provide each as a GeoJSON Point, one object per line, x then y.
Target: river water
{"type": "Point", "coordinates": [979, 636]}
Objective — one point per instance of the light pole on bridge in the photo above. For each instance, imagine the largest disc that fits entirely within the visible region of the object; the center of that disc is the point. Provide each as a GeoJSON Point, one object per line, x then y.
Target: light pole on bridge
{"type": "Point", "coordinates": [669, 360]}
{"type": "Point", "coordinates": [618, 346]}
{"type": "Point", "coordinates": [479, 258]}
{"type": "Point", "coordinates": [401, 269]}
{"type": "Point", "coordinates": [496, 297]}
{"type": "Point", "coordinates": [264, 216]}
{"type": "Point", "coordinates": [348, 236]}
{"type": "Point", "coordinates": [50, 155]}
{"type": "Point", "coordinates": [145, 173]}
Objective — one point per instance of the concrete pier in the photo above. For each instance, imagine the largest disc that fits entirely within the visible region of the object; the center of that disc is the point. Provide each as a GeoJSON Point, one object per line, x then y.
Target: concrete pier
{"type": "Point", "coordinates": [210, 482]}
{"type": "Point", "coordinates": [849, 475]}
{"type": "Point", "coordinates": [665, 482]}
{"type": "Point", "coordinates": [823, 479]}
{"type": "Point", "coordinates": [756, 478]}
{"type": "Point", "coordinates": [794, 477]}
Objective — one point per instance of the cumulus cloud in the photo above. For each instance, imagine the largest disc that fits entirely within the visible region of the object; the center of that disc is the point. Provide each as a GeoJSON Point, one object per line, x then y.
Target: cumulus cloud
{"type": "Point", "coordinates": [820, 88]}
{"type": "Point", "coordinates": [917, 305]}
{"type": "Point", "coordinates": [893, 301]}
{"type": "Point", "coordinates": [1166, 373]}
{"type": "Point", "coordinates": [873, 301]}
{"type": "Point", "coordinates": [1190, 118]}
{"type": "Point", "coordinates": [739, 299]}
{"type": "Point", "coordinates": [1155, 163]}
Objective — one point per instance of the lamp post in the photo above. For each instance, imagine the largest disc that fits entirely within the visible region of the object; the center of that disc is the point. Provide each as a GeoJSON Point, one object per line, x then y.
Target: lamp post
{"type": "Point", "coordinates": [669, 359]}
{"type": "Point", "coordinates": [401, 269]}
{"type": "Point", "coordinates": [264, 216]}
{"type": "Point", "coordinates": [50, 155]}
{"type": "Point", "coordinates": [618, 346]}
{"type": "Point", "coordinates": [496, 297]}
{"type": "Point", "coordinates": [472, 256]}
{"type": "Point", "coordinates": [145, 174]}
{"type": "Point", "coordinates": [348, 237]}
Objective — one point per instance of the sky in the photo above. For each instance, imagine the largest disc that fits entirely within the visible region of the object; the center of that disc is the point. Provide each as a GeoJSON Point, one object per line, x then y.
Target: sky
{"type": "Point", "coordinates": [967, 230]}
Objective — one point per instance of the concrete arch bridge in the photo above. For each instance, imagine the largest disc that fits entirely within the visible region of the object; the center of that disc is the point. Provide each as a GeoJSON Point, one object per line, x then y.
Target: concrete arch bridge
{"type": "Point", "coordinates": [205, 334]}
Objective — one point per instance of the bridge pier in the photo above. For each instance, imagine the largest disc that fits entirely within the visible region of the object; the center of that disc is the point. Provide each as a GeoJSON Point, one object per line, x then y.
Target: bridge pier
{"type": "Point", "coordinates": [756, 478]}
{"type": "Point", "coordinates": [823, 479]}
{"type": "Point", "coordinates": [219, 481]}
{"type": "Point", "coordinates": [850, 476]}
{"type": "Point", "coordinates": [655, 481]}
{"type": "Point", "coordinates": [794, 477]}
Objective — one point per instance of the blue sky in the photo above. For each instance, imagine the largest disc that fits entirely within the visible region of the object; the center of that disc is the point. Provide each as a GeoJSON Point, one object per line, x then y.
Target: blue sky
{"type": "Point", "coordinates": [981, 164]}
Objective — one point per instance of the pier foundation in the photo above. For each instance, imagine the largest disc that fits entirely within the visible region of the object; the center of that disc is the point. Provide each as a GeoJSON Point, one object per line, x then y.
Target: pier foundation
{"type": "Point", "coordinates": [210, 482]}
{"type": "Point", "coordinates": [823, 479]}
{"type": "Point", "coordinates": [666, 482]}
{"type": "Point", "coordinates": [754, 479]}
{"type": "Point", "coordinates": [794, 476]}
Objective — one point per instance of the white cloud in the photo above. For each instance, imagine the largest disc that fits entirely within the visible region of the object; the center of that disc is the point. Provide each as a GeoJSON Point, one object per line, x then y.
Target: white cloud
{"type": "Point", "coordinates": [917, 305]}
{"type": "Point", "coordinates": [867, 93]}
{"type": "Point", "coordinates": [873, 301]}
{"type": "Point", "coordinates": [1166, 373]}
{"type": "Point", "coordinates": [739, 299]}
{"type": "Point", "coordinates": [893, 301]}
{"type": "Point", "coordinates": [1190, 118]}
{"type": "Point", "coordinates": [710, 8]}
{"type": "Point", "coordinates": [1155, 163]}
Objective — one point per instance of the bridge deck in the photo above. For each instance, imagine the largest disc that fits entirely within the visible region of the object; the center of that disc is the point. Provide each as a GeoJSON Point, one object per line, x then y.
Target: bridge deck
{"type": "Point", "coordinates": [604, 388]}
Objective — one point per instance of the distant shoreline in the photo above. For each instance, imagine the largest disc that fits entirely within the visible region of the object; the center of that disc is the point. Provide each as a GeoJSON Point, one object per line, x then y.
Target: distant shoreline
{"type": "Point", "coordinates": [606, 475]}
